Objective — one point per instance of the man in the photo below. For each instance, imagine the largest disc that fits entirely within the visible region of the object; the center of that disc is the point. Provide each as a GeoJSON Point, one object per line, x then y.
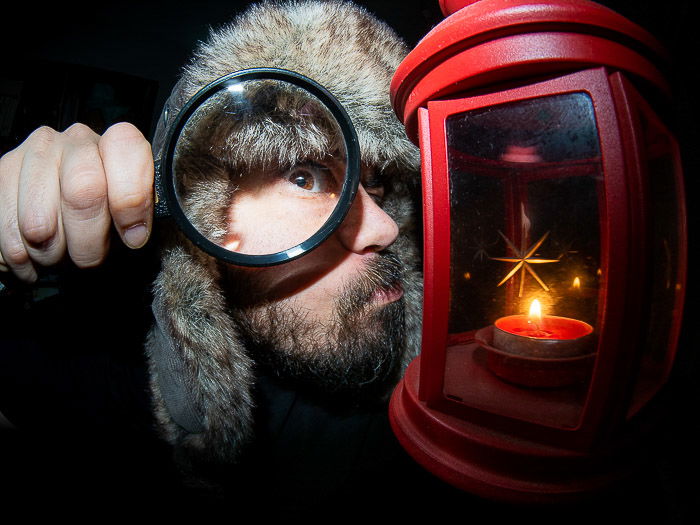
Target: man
{"type": "Point", "coordinates": [235, 354]}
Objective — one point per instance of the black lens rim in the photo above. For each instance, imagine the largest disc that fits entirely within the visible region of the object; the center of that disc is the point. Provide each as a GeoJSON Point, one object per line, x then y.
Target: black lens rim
{"type": "Point", "coordinates": [347, 193]}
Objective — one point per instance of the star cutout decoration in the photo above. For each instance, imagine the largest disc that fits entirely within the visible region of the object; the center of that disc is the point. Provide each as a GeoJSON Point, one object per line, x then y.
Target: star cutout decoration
{"type": "Point", "coordinates": [523, 262]}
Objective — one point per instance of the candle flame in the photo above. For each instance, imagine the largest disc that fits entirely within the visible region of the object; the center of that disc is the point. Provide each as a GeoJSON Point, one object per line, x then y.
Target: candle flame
{"type": "Point", "coordinates": [467, 275]}
{"type": "Point", "coordinates": [535, 315]}
{"type": "Point", "coordinates": [577, 283]}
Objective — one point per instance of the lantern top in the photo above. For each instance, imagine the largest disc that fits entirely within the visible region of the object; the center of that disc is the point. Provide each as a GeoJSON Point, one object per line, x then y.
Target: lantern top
{"type": "Point", "coordinates": [485, 42]}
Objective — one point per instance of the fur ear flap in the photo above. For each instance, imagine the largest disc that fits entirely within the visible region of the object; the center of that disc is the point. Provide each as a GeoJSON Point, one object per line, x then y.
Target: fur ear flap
{"type": "Point", "coordinates": [201, 376]}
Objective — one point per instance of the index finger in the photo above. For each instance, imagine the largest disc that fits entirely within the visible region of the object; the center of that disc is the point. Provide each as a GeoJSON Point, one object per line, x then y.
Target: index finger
{"type": "Point", "coordinates": [128, 164]}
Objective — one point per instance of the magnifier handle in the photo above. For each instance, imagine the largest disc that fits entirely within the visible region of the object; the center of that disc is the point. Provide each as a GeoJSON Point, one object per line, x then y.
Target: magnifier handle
{"type": "Point", "coordinates": [161, 208]}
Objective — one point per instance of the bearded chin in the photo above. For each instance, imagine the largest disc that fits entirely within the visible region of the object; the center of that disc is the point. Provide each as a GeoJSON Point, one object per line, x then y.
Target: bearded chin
{"type": "Point", "coordinates": [356, 356]}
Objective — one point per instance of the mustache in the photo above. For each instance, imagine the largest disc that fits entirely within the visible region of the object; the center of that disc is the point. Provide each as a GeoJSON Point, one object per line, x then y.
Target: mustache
{"type": "Point", "coordinates": [382, 273]}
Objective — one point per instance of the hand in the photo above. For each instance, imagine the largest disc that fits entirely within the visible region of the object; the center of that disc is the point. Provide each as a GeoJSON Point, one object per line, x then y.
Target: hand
{"type": "Point", "coordinates": [61, 192]}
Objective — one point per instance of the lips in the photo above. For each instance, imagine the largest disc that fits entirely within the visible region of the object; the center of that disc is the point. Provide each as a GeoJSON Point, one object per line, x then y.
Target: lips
{"type": "Point", "coordinates": [378, 284]}
{"type": "Point", "coordinates": [387, 295]}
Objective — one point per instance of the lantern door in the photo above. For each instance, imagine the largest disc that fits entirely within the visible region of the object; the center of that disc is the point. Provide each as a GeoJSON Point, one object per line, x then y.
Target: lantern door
{"type": "Point", "coordinates": [528, 259]}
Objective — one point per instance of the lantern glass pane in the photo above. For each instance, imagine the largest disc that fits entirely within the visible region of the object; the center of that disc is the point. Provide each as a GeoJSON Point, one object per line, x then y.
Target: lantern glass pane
{"type": "Point", "coordinates": [525, 188]}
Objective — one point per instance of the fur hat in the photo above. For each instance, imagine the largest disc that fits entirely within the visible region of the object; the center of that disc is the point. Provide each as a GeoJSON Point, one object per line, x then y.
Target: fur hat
{"type": "Point", "coordinates": [201, 374]}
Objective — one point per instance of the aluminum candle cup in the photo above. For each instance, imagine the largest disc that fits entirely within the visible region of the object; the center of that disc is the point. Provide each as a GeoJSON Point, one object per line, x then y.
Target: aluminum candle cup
{"type": "Point", "coordinates": [556, 337]}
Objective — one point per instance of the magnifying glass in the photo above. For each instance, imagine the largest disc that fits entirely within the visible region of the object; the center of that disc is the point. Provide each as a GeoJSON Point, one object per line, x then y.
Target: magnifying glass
{"type": "Point", "coordinates": [291, 198]}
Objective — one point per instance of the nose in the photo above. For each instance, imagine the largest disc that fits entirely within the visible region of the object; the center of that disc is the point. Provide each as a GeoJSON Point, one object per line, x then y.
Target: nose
{"type": "Point", "coordinates": [367, 227]}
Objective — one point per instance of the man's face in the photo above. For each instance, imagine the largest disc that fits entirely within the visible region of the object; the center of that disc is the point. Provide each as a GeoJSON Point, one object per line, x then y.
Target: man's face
{"type": "Point", "coordinates": [265, 167]}
{"type": "Point", "coordinates": [275, 209]}
{"type": "Point", "coordinates": [335, 315]}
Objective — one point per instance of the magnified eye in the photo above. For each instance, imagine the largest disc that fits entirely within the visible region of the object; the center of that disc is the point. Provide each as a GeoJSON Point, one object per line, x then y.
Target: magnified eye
{"type": "Point", "coordinates": [304, 180]}
{"type": "Point", "coordinates": [314, 178]}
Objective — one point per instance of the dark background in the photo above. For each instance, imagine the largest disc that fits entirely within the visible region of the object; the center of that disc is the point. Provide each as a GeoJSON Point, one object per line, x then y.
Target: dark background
{"type": "Point", "coordinates": [104, 63]}
{"type": "Point", "coordinates": [113, 62]}
{"type": "Point", "coordinates": [145, 43]}
{"type": "Point", "coordinates": [140, 44]}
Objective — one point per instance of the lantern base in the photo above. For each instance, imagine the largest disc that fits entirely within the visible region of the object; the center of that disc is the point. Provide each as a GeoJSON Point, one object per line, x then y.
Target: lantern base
{"type": "Point", "coordinates": [493, 465]}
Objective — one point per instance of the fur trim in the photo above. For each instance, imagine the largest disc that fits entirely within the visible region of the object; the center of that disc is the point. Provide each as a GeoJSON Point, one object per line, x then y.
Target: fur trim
{"type": "Point", "coordinates": [336, 43]}
{"type": "Point", "coordinates": [204, 360]}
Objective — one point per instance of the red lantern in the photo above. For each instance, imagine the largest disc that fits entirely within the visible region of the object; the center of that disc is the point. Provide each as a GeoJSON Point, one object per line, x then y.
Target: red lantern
{"type": "Point", "coordinates": [555, 246]}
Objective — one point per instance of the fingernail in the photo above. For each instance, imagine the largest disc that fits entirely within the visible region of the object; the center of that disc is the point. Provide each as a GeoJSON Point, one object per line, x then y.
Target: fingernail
{"type": "Point", "coordinates": [136, 236]}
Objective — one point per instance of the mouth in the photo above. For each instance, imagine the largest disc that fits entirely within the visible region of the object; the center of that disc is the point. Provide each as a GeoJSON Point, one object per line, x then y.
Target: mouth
{"type": "Point", "coordinates": [388, 295]}
{"type": "Point", "coordinates": [378, 284]}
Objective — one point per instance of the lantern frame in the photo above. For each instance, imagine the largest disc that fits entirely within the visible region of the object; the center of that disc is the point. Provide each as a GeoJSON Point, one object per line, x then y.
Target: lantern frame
{"type": "Point", "coordinates": [495, 454]}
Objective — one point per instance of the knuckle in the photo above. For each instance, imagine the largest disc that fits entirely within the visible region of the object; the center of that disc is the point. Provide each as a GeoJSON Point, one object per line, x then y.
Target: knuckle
{"type": "Point", "coordinates": [82, 166]}
{"type": "Point", "coordinates": [84, 192]}
{"type": "Point", "coordinates": [88, 260]}
{"type": "Point", "coordinates": [37, 229]}
{"type": "Point", "coordinates": [128, 201]}
{"type": "Point", "coordinates": [123, 132]}
{"type": "Point", "coordinates": [79, 131]}
{"type": "Point", "coordinates": [9, 159]}
{"type": "Point", "coordinates": [42, 138]}
{"type": "Point", "coordinates": [41, 148]}
{"type": "Point", "coordinates": [15, 254]}
{"type": "Point", "coordinates": [85, 171]}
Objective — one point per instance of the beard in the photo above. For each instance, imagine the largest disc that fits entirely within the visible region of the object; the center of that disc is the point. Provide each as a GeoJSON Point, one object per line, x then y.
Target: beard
{"type": "Point", "coordinates": [354, 356]}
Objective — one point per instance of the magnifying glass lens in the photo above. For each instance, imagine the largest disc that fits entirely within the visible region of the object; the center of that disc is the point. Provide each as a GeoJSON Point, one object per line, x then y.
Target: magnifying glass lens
{"type": "Point", "coordinates": [259, 166]}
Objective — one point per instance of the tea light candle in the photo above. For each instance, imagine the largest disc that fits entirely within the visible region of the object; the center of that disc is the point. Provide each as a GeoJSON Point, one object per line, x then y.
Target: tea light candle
{"type": "Point", "coordinates": [538, 335]}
